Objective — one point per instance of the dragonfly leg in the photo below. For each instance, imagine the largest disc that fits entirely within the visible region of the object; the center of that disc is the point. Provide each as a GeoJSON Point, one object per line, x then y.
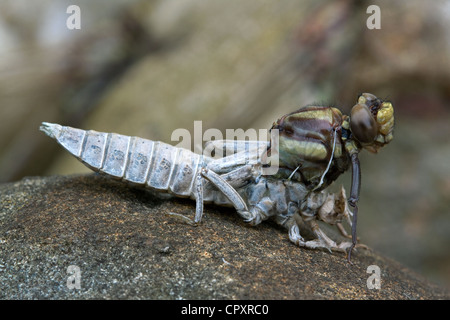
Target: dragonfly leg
{"type": "Point", "coordinates": [253, 216]}
{"type": "Point", "coordinates": [198, 203]}
{"type": "Point", "coordinates": [198, 198]}
{"type": "Point", "coordinates": [261, 211]}
{"type": "Point", "coordinates": [321, 242]}
{"type": "Point", "coordinates": [330, 208]}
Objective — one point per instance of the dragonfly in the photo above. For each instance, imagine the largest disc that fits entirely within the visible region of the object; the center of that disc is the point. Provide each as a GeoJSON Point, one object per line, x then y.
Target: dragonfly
{"type": "Point", "coordinates": [314, 145]}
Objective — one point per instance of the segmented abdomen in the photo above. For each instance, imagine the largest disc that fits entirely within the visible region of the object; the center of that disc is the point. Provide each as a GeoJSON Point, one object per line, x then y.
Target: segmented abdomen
{"type": "Point", "coordinates": [140, 161]}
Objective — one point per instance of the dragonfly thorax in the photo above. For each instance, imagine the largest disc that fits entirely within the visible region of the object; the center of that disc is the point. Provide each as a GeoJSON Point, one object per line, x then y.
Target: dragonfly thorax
{"type": "Point", "coordinates": [310, 144]}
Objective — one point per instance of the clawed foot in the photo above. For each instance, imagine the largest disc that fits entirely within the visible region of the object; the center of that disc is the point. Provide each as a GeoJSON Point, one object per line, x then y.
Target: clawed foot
{"type": "Point", "coordinates": [322, 242]}
{"type": "Point", "coordinates": [258, 213]}
{"type": "Point", "coordinates": [250, 218]}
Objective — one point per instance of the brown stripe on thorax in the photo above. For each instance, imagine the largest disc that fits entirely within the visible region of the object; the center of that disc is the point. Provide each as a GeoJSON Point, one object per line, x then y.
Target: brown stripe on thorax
{"type": "Point", "coordinates": [309, 132]}
{"type": "Point", "coordinates": [311, 122]}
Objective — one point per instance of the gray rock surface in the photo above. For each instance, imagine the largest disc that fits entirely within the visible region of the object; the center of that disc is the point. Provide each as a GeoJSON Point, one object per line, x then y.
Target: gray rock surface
{"type": "Point", "coordinates": [127, 247]}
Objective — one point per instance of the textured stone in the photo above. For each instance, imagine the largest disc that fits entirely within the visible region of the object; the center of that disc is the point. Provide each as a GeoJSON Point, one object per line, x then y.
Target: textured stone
{"type": "Point", "coordinates": [128, 247]}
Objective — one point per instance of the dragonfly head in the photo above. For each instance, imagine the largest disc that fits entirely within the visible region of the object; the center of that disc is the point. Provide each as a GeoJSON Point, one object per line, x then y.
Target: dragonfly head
{"type": "Point", "coordinates": [372, 122]}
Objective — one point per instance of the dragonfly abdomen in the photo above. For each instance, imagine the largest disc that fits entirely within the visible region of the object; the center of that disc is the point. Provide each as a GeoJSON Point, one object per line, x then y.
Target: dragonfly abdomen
{"type": "Point", "coordinates": [152, 164]}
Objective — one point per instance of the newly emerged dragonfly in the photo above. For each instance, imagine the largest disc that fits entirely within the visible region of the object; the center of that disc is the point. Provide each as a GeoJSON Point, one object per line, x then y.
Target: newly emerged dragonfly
{"type": "Point", "coordinates": [315, 145]}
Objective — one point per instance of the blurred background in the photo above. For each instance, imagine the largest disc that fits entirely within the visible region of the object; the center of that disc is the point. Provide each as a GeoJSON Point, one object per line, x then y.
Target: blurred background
{"type": "Point", "coordinates": [146, 68]}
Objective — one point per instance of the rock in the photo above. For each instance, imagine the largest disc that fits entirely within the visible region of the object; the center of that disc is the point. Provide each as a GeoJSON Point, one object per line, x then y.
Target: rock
{"type": "Point", "coordinates": [126, 246]}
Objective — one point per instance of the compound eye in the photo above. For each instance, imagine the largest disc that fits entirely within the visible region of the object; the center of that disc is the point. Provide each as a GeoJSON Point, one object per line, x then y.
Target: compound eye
{"type": "Point", "coordinates": [367, 98]}
{"type": "Point", "coordinates": [362, 124]}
